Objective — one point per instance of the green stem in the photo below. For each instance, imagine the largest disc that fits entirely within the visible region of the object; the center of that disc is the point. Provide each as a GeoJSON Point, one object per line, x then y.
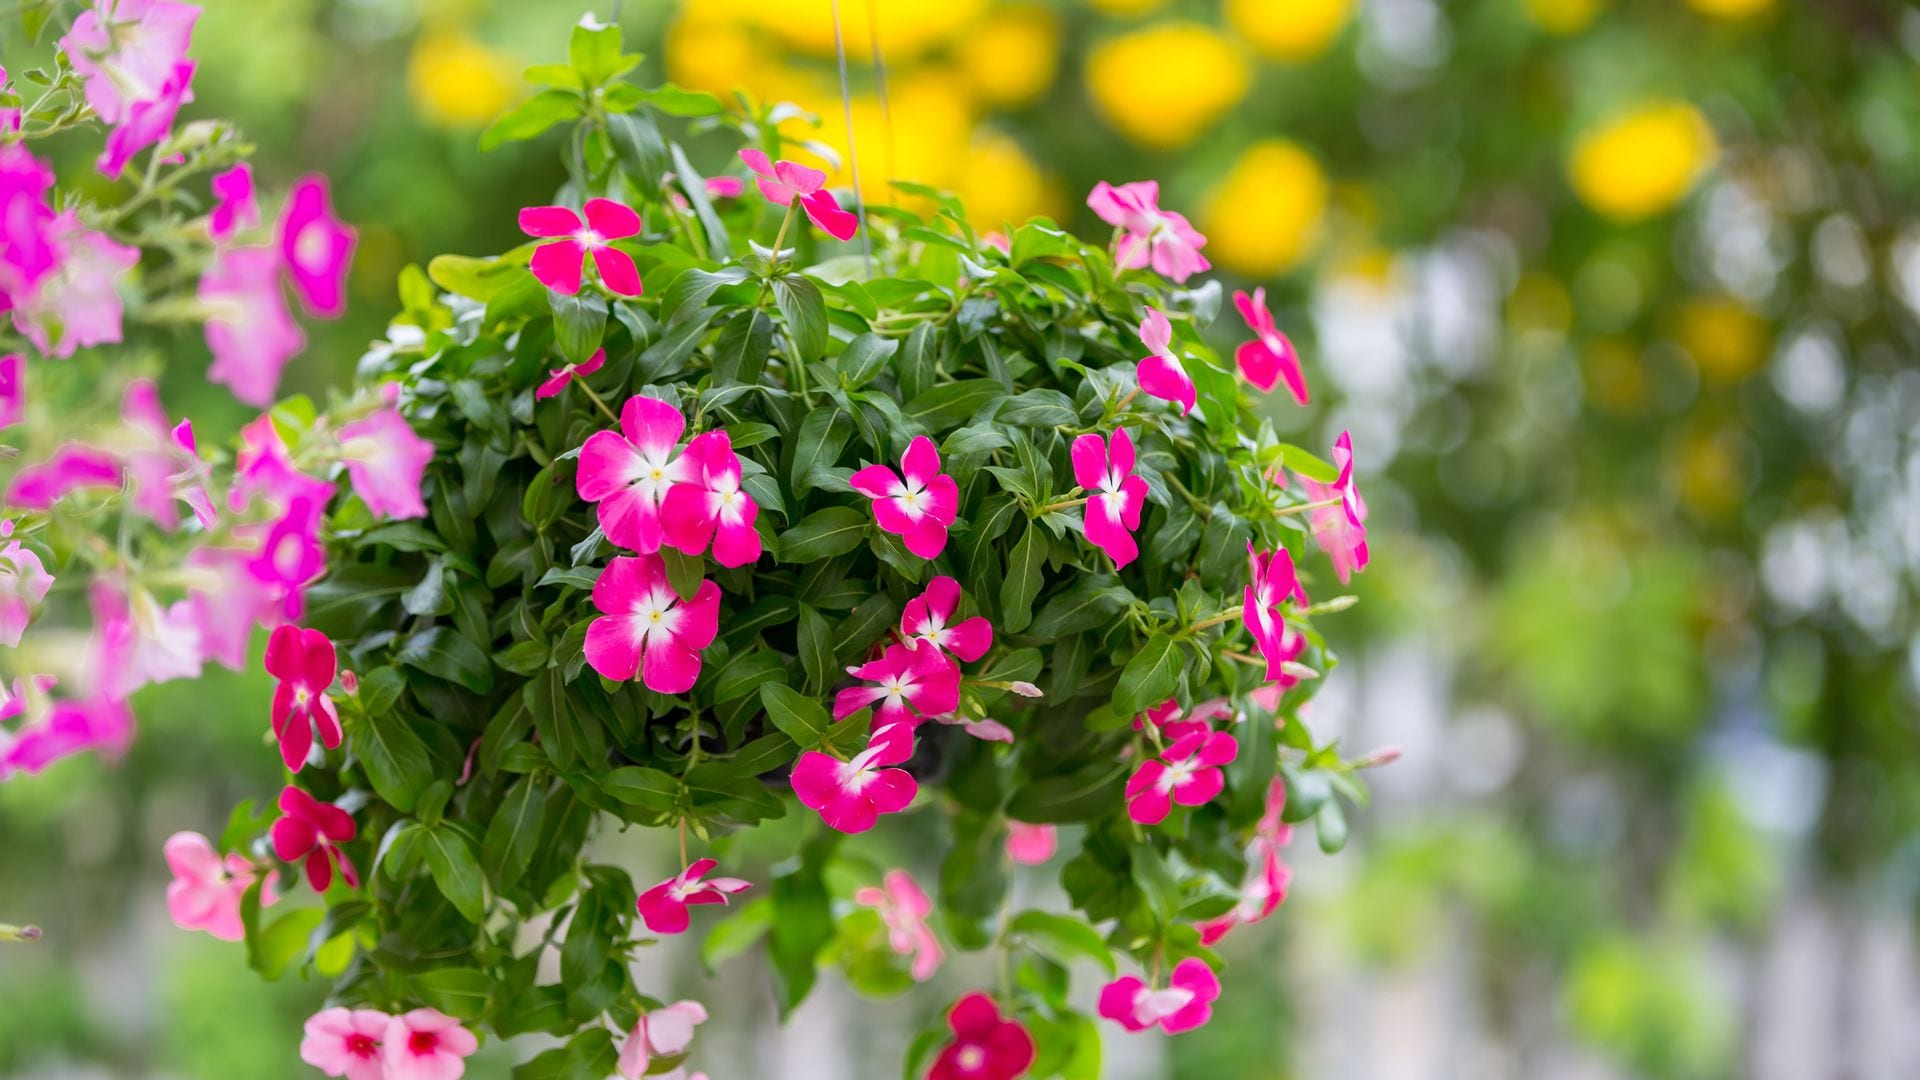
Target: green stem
{"type": "Point", "coordinates": [1302, 508]}
{"type": "Point", "coordinates": [588, 390]}
{"type": "Point", "coordinates": [1199, 506]}
{"type": "Point", "coordinates": [1228, 615]}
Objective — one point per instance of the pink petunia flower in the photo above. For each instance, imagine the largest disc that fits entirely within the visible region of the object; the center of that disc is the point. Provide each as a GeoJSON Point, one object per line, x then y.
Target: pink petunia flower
{"type": "Point", "coordinates": [72, 467]}
{"type": "Point", "coordinates": [558, 378]}
{"type": "Point", "coordinates": [985, 1046]}
{"type": "Point", "coordinates": [24, 582]}
{"type": "Point", "coordinates": [664, 1032]}
{"type": "Point", "coordinates": [234, 206]}
{"type": "Point", "coordinates": [1265, 885]}
{"type": "Point", "coordinates": [709, 508]}
{"type": "Point", "coordinates": [137, 641]}
{"type": "Point", "coordinates": [1271, 582]}
{"type": "Point", "coordinates": [1160, 237]}
{"type": "Point", "coordinates": [316, 247]}
{"type": "Point", "coordinates": [289, 556]}
{"type": "Point", "coordinates": [386, 459]}
{"type": "Point", "coordinates": [125, 50]}
{"type": "Point", "coordinates": [919, 509]}
{"type": "Point", "coordinates": [646, 628]}
{"type": "Point", "coordinates": [13, 389]}
{"type": "Point", "coordinates": [77, 305]}
{"type": "Point", "coordinates": [147, 122]}
{"type": "Point", "coordinates": [27, 250]}
{"type": "Point", "coordinates": [67, 727]}
{"type": "Point", "coordinates": [664, 907]}
{"type": "Point", "coordinates": [346, 1042]}
{"type": "Point", "coordinates": [1188, 774]}
{"type": "Point", "coordinates": [629, 472]}
{"type": "Point", "coordinates": [1160, 374]}
{"type": "Point", "coordinates": [784, 181]}
{"type": "Point", "coordinates": [1186, 1002]}
{"type": "Point", "coordinates": [903, 908]}
{"type": "Point", "coordinates": [426, 1044]}
{"type": "Point", "coordinates": [166, 468]}
{"type": "Point", "coordinates": [226, 602]}
{"type": "Point", "coordinates": [851, 795]}
{"type": "Point", "coordinates": [249, 329]}
{"type": "Point", "coordinates": [1116, 496]}
{"type": "Point", "coordinates": [311, 832]}
{"type": "Point", "coordinates": [929, 618]}
{"type": "Point", "coordinates": [1270, 357]}
{"type": "Point", "coordinates": [1031, 845]}
{"type": "Point", "coordinates": [304, 662]}
{"type": "Point", "coordinates": [206, 889]}
{"type": "Point", "coordinates": [559, 265]}
{"type": "Point", "coordinates": [913, 682]}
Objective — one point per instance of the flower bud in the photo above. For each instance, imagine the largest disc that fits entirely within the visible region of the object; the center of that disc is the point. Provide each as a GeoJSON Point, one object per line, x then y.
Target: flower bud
{"type": "Point", "coordinates": [349, 681]}
{"type": "Point", "coordinates": [1026, 689]}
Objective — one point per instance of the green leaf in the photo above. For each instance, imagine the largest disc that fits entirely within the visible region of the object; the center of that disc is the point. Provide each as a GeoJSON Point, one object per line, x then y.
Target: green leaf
{"type": "Point", "coordinates": [1307, 465]}
{"type": "Point", "coordinates": [694, 187]}
{"type": "Point", "coordinates": [442, 653]}
{"type": "Point", "coordinates": [284, 940]}
{"type": "Point", "coordinates": [1038, 408]}
{"type": "Point", "coordinates": [823, 434]}
{"type": "Point", "coordinates": [1091, 602]}
{"type": "Point", "coordinates": [1023, 579]}
{"type": "Point", "coordinates": [450, 859]}
{"type": "Point", "coordinates": [594, 52]}
{"type": "Point", "coordinates": [915, 364]}
{"type": "Point", "coordinates": [637, 785]}
{"type": "Point", "coordinates": [1150, 677]}
{"type": "Point", "coordinates": [460, 992]}
{"type": "Point", "coordinates": [476, 279]}
{"type": "Point", "coordinates": [533, 117]}
{"type": "Point", "coordinates": [738, 932]}
{"type": "Point", "coordinates": [694, 285]}
{"type": "Point", "coordinates": [1063, 938]}
{"type": "Point", "coordinates": [864, 358]}
{"type": "Point", "coordinates": [640, 149]}
{"type": "Point", "coordinates": [833, 530]}
{"type": "Point", "coordinates": [512, 835]}
{"type": "Point", "coordinates": [816, 650]}
{"type": "Point", "coordinates": [668, 356]}
{"type": "Point", "coordinates": [579, 323]}
{"type": "Point", "coordinates": [800, 718]}
{"type": "Point", "coordinates": [679, 101]}
{"type": "Point", "coordinates": [1082, 795]}
{"type": "Point", "coordinates": [546, 697]}
{"type": "Point", "coordinates": [381, 688]}
{"type": "Point", "coordinates": [740, 351]}
{"type": "Point", "coordinates": [805, 311]}
{"type": "Point", "coordinates": [395, 760]}
{"type": "Point", "coordinates": [949, 405]}
{"type": "Point", "coordinates": [746, 671]}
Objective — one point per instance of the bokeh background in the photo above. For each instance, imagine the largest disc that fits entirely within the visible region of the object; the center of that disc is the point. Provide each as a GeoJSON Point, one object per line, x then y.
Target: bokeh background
{"type": "Point", "coordinates": [1621, 301]}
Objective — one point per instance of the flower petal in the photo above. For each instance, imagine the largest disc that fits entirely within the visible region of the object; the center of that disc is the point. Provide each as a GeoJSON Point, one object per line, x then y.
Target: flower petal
{"type": "Point", "coordinates": [549, 221]}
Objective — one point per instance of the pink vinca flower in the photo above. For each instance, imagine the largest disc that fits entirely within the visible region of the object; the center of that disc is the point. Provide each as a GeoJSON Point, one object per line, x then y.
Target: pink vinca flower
{"type": "Point", "coordinates": [147, 122]}
{"type": "Point", "coordinates": [851, 795]}
{"type": "Point", "coordinates": [167, 468]}
{"type": "Point", "coordinates": [664, 907]}
{"type": "Point", "coordinates": [1272, 581]}
{"type": "Point", "coordinates": [1188, 774]}
{"type": "Point", "coordinates": [912, 682]}
{"type": "Point", "coordinates": [784, 181]}
{"type": "Point", "coordinates": [558, 378]}
{"type": "Point", "coordinates": [346, 1042]}
{"type": "Point", "coordinates": [316, 247]}
{"type": "Point", "coordinates": [1265, 886]}
{"type": "Point", "coordinates": [709, 508]}
{"type": "Point", "coordinates": [918, 509]}
{"type": "Point", "coordinates": [725, 187]}
{"type": "Point", "coordinates": [1340, 530]}
{"type": "Point", "coordinates": [78, 304]}
{"type": "Point", "coordinates": [664, 1032]}
{"type": "Point", "coordinates": [1184, 1004]}
{"type": "Point", "coordinates": [13, 389]}
{"type": "Point", "coordinates": [1270, 357]}
{"type": "Point", "coordinates": [426, 1044]}
{"type": "Point", "coordinates": [929, 618]}
{"type": "Point", "coordinates": [385, 459]}
{"type": "Point", "coordinates": [304, 662]}
{"type": "Point", "coordinates": [24, 582]}
{"type": "Point", "coordinates": [234, 206]}
{"type": "Point", "coordinates": [1167, 718]}
{"type": "Point", "coordinates": [559, 265]}
{"type": "Point", "coordinates": [1116, 496]}
{"type": "Point", "coordinates": [249, 329]}
{"type": "Point", "coordinates": [985, 1046]}
{"type": "Point", "coordinates": [1031, 845]}
{"type": "Point", "coordinates": [1160, 374]}
{"type": "Point", "coordinates": [206, 889]}
{"type": "Point", "coordinates": [311, 832]}
{"type": "Point", "coordinates": [1153, 235]}
{"type": "Point", "coordinates": [126, 49]}
{"type": "Point", "coordinates": [646, 628]}
{"type": "Point", "coordinates": [903, 908]}
{"type": "Point", "coordinates": [629, 472]}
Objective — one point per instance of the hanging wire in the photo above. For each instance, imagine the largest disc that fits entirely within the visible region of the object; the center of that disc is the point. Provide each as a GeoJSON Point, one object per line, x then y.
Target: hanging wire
{"type": "Point", "coordinates": [853, 148]}
{"type": "Point", "coordinates": [886, 107]}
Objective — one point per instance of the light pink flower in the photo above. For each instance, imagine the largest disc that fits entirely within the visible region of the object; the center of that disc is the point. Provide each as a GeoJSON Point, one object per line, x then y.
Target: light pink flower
{"type": "Point", "coordinates": [1153, 235]}
{"type": "Point", "coordinates": [664, 907]}
{"type": "Point", "coordinates": [68, 726]}
{"type": "Point", "coordinates": [234, 207]}
{"type": "Point", "coordinates": [629, 472]}
{"type": "Point", "coordinates": [725, 187]}
{"type": "Point", "coordinates": [912, 682]}
{"type": "Point", "coordinates": [1265, 885]}
{"type": "Point", "coordinates": [1186, 1003]}
{"type": "Point", "coordinates": [78, 304]}
{"type": "Point", "coordinates": [426, 1044]}
{"type": "Point", "coordinates": [136, 641]}
{"type": "Point", "coordinates": [385, 459]}
{"type": "Point", "coordinates": [147, 122]}
{"type": "Point", "coordinates": [346, 1042]}
{"type": "Point", "coordinates": [24, 582]}
{"type": "Point", "coordinates": [166, 467]}
{"type": "Point", "coordinates": [249, 329]}
{"type": "Point", "coordinates": [904, 907]}
{"type": "Point", "coordinates": [316, 247]}
{"type": "Point", "coordinates": [1340, 530]}
{"type": "Point", "coordinates": [206, 889]}
{"type": "Point", "coordinates": [708, 507]}
{"type": "Point", "coordinates": [851, 795]}
{"type": "Point", "coordinates": [558, 378]}
{"type": "Point", "coordinates": [311, 832]}
{"type": "Point", "coordinates": [784, 181]}
{"type": "Point", "coordinates": [646, 628]}
{"type": "Point", "coordinates": [1271, 582]}
{"type": "Point", "coordinates": [918, 510]}
{"type": "Point", "coordinates": [226, 602]}
{"type": "Point", "coordinates": [1115, 495]}
{"type": "Point", "coordinates": [1270, 357]}
{"type": "Point", "coordinates": [1160, 374]}
{"type": "Point", "coordinates": [664, 1032]}
{"type": "Point", "coordinates": [985, 1046]}
{"type": "Point", "coordinates": [126, 49]}
{"type": "Point", "coordinates": [1188, 774]}
{"type": "Point", "coordinates": [303, 661]}
{"type": "Point", "coordinates": [72, 467]}
{"type": "Point", "coordinates": [560, 264]}
{"type": "Point", "coordinates": [13, 389]}
{"type": "Point", "coordinates": [929, 617]}
{"type": "Point", "coordinates": [1031, 845]}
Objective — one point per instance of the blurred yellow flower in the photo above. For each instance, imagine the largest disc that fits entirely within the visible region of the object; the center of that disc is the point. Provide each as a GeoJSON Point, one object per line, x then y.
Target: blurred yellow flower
{"type": "Point", "coordinates": [926, 143]}
{"type": "Point", "coordinates": [1002, 187]}
{"type": "Point", "coordinates": [1731, 9]}
{"type": "Point", "coordinates": [1725, 338]}
{"type": "Point", "coordinates": [1640, 163]}
{"type": "Point", "coordinates": [1564, 16]}
{"type": "Point", "coordinates": [1162, 86]}
{"type": "Point", "coordinates": [1707, 469]}
{"type": "Point", "coordinates": [1290, 29]}
{"type": "Point", "coordinates": [1269, 213]}
{"type": "Point", "coordinates": [907, 27]}
{"type": "Point", "coordinates": [456, 81]}
{"type": "Point", "coordinates": [1128, 7]}
{"type": "Point", "coordinates": [1615, 379]}
{"type": "Point", "coordinates": [1010, 57]}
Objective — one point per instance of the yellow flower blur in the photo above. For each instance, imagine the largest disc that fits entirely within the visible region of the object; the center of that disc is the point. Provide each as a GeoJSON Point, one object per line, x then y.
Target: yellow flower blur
{"type": "Point", "coordinates": [1641, 163]}
{"type": "Point", "coordinates": [1724, 337]}
{"type": "Point", "coordinates": [1268, 215]}
{"type": "Point", "coordinates": [926, 143]}
{"type": "Point", "coordinates": [457, 82]}
{"type": "Point", "coordinates": [1163, 86]}
{"type": "Point", "coordinates": [1731, 9]}
{"type": "Point", "coordinates": [1290, 29]}
{"type": "Point", "coordinates": [1128, 7]}
{"type": "Point", "coordinates": [1002, 187]}
{"type": "Point", "coordinates": [907, 27]}
{"type": "Point", "coordinates": [1564, 16]}
{"type": "Point", "coordinates": [1010, 57]}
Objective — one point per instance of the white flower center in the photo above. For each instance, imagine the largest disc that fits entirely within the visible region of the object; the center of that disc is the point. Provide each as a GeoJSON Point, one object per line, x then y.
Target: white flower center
{"type": "Point", "coordinates": [1178, 774]}
{"type": "Point", "coordinates": [590, 239]}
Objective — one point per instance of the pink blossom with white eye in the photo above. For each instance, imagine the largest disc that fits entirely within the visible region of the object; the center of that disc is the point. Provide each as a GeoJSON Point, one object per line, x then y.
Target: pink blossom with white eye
{"type": "Point", "coordinates": [561, 264]}
{"type": "Point", "coordinates": [125, 50]}
{"type": "Point", "coordinates": [1265, 887]}
{"type": "Point", "coordinates": [386, 460]}
{"type": "Point", "coordinates": [903, 908]}
{"type": "Point", "coordinates": [1185, 1003]}
{"type": "Point", "coordinates": [316, 247]}
{"type": "Point", "coordinates": [784, 181]}
{"type": "Point", "coordinates": [1031, 845]}
{"type": "Point", "coordinates": [629, 472]}
{"type": "Point", "coordinates": [912, 682]}
{"type": "Point", "coordinates": [249, 327]}
{"type": "Point", "coordinates": [558, 378]}
{"type": "Point", "coordinates": [426, 1044]}
{"type": "Point", "coordinates": [918, 504]}
{"type": "Point", "coordinates": [646, 629]}
{"type": "Point", "coordinates": [1188, 773]}
{"type": "Point", "coordinates": [664, 1032]}
{"type": "Point", "coordinates": [137, 641]}
{"type": "Point", "coordinates": [664, 907]}
{"type": "Point", "coordinates": [24, 582]}
{"type": "Point", "coordinates": [1160, 373]}
{"type": "Point", "coordinates": [929, 618]}
{"type": "Point", "coordinates": [1340, 530]}
{"type": "Point", "coordinates": [1116, 496]}
{"type": "Point", "coordinates": [206, 889]}
{"type": "Point", "coordinates": [709, 507]}
{"type": "Point", "coordinates": [1270, 357]}
{"type": "Point", "coordinates": [304, 663]}
{"type": "Point", "coordinates": [1171, 723]}
{"type": "Point", "coordinates": [77, 304]}
{"type": "Point", "coordinates": [851, 795]}
{"type": "Point", "coordinates": [346, 1042]}
{"type": "Point", "coordinates": [1271, 582]}
{"type": "Point", "coordinates": [1162, 238]}
{"type": "Point", "coordinates": [310, 832]}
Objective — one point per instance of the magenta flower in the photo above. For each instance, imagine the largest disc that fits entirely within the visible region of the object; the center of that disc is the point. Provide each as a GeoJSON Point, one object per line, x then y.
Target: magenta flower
{"type": "Point", "coordinates": [985, 1046]}
{"type": "Point", "coordinates": [1116, 496]}
{"type": "Point", "coordinates": [1188, 773]}
{"type": "Point", "coordinates": [1153, 235]}
{"type": "Point", "coordinates": [1265, 885]}
{"type": "Point", "coordinates": [1160, 374]}
{"type": "Point", "coordinates": [249, 329]}
{"type": "Point", "coordinates": [13, 389]}
{"type": "Point", "coordinates": [664, 1032]}
{"type": "Point", "coordinates": [1340, 530]}
{"type": "Point", "coordinates": [664, 907]}
{"type": "Point", "coordinates": [646, 628]}
{"type": "Point", "coordinates": [903, 908]}
{"type": "Point", "coordinates": [1186, 1003]}
{"type": "Point", "coordinates": [558, 378]}
{"type": "Point", "coordinates": [1270, 357]}
{"type": "Point", "coordinates": [629, 472]}
{"type": "Point", "coordinates": [385, 459]}
{"type": "Point", "coordinates": [147, 122]}
{"type": "Point", "coordinates": [125, 50]}
{"type": "Point", "coordinates": [24, 582]}
{"type": "Point", "coordinates": [1271, 582]}
{"type": "Point", "coordinates": [784, 181]}
{"type": "Point", "coordinates": [912, 682]}
{"type": "Point", "coordinates": [346, 1042]}
{"type": "Point", "coordinates": [136, 641]}
{"type": "Point", "coordinates": [303, 661]}
{"type": "Point", "coordinates": [289, 554]}
{"type": "Point", "coordinates": [77, 305]}
{"type": "Point", "coordinates": [226, 602]}
{"type": "Point", "coordinates": [69, 726]}
{"type": "Point", "coordinates": [316, 247]}
{"type": "Point", "coordinates": [167, 468]}
{"type": "Point", "coordinates": [851, 795]}
{"type": "Point", "coordinates": [27, 251]}
{"type": "Point", "coordinates": [1168, 720]}
{"type": "Point", "coordinates": [234, 207]}
{"type": "Point", "coordinates": [725, 187]}
{"type": "Point", "coordinates": [929, 618]}
{"type": "Point", "coordinates": [426, 1044]}
{"type": "Point", "coordinates": [72, 467]}
{"type": "Point", "coordinates": [206, 889]}
{"type": "Point", "coordinates": [919, 509]}
{"type": "Point", "coordinates": [311, 831]}
{"type": "Point", "coordinates": [708, 507]}
{"type": "Point", "coordinates": [560, 264]}
{"type": "Point", "coordinates": [1031, 845]}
